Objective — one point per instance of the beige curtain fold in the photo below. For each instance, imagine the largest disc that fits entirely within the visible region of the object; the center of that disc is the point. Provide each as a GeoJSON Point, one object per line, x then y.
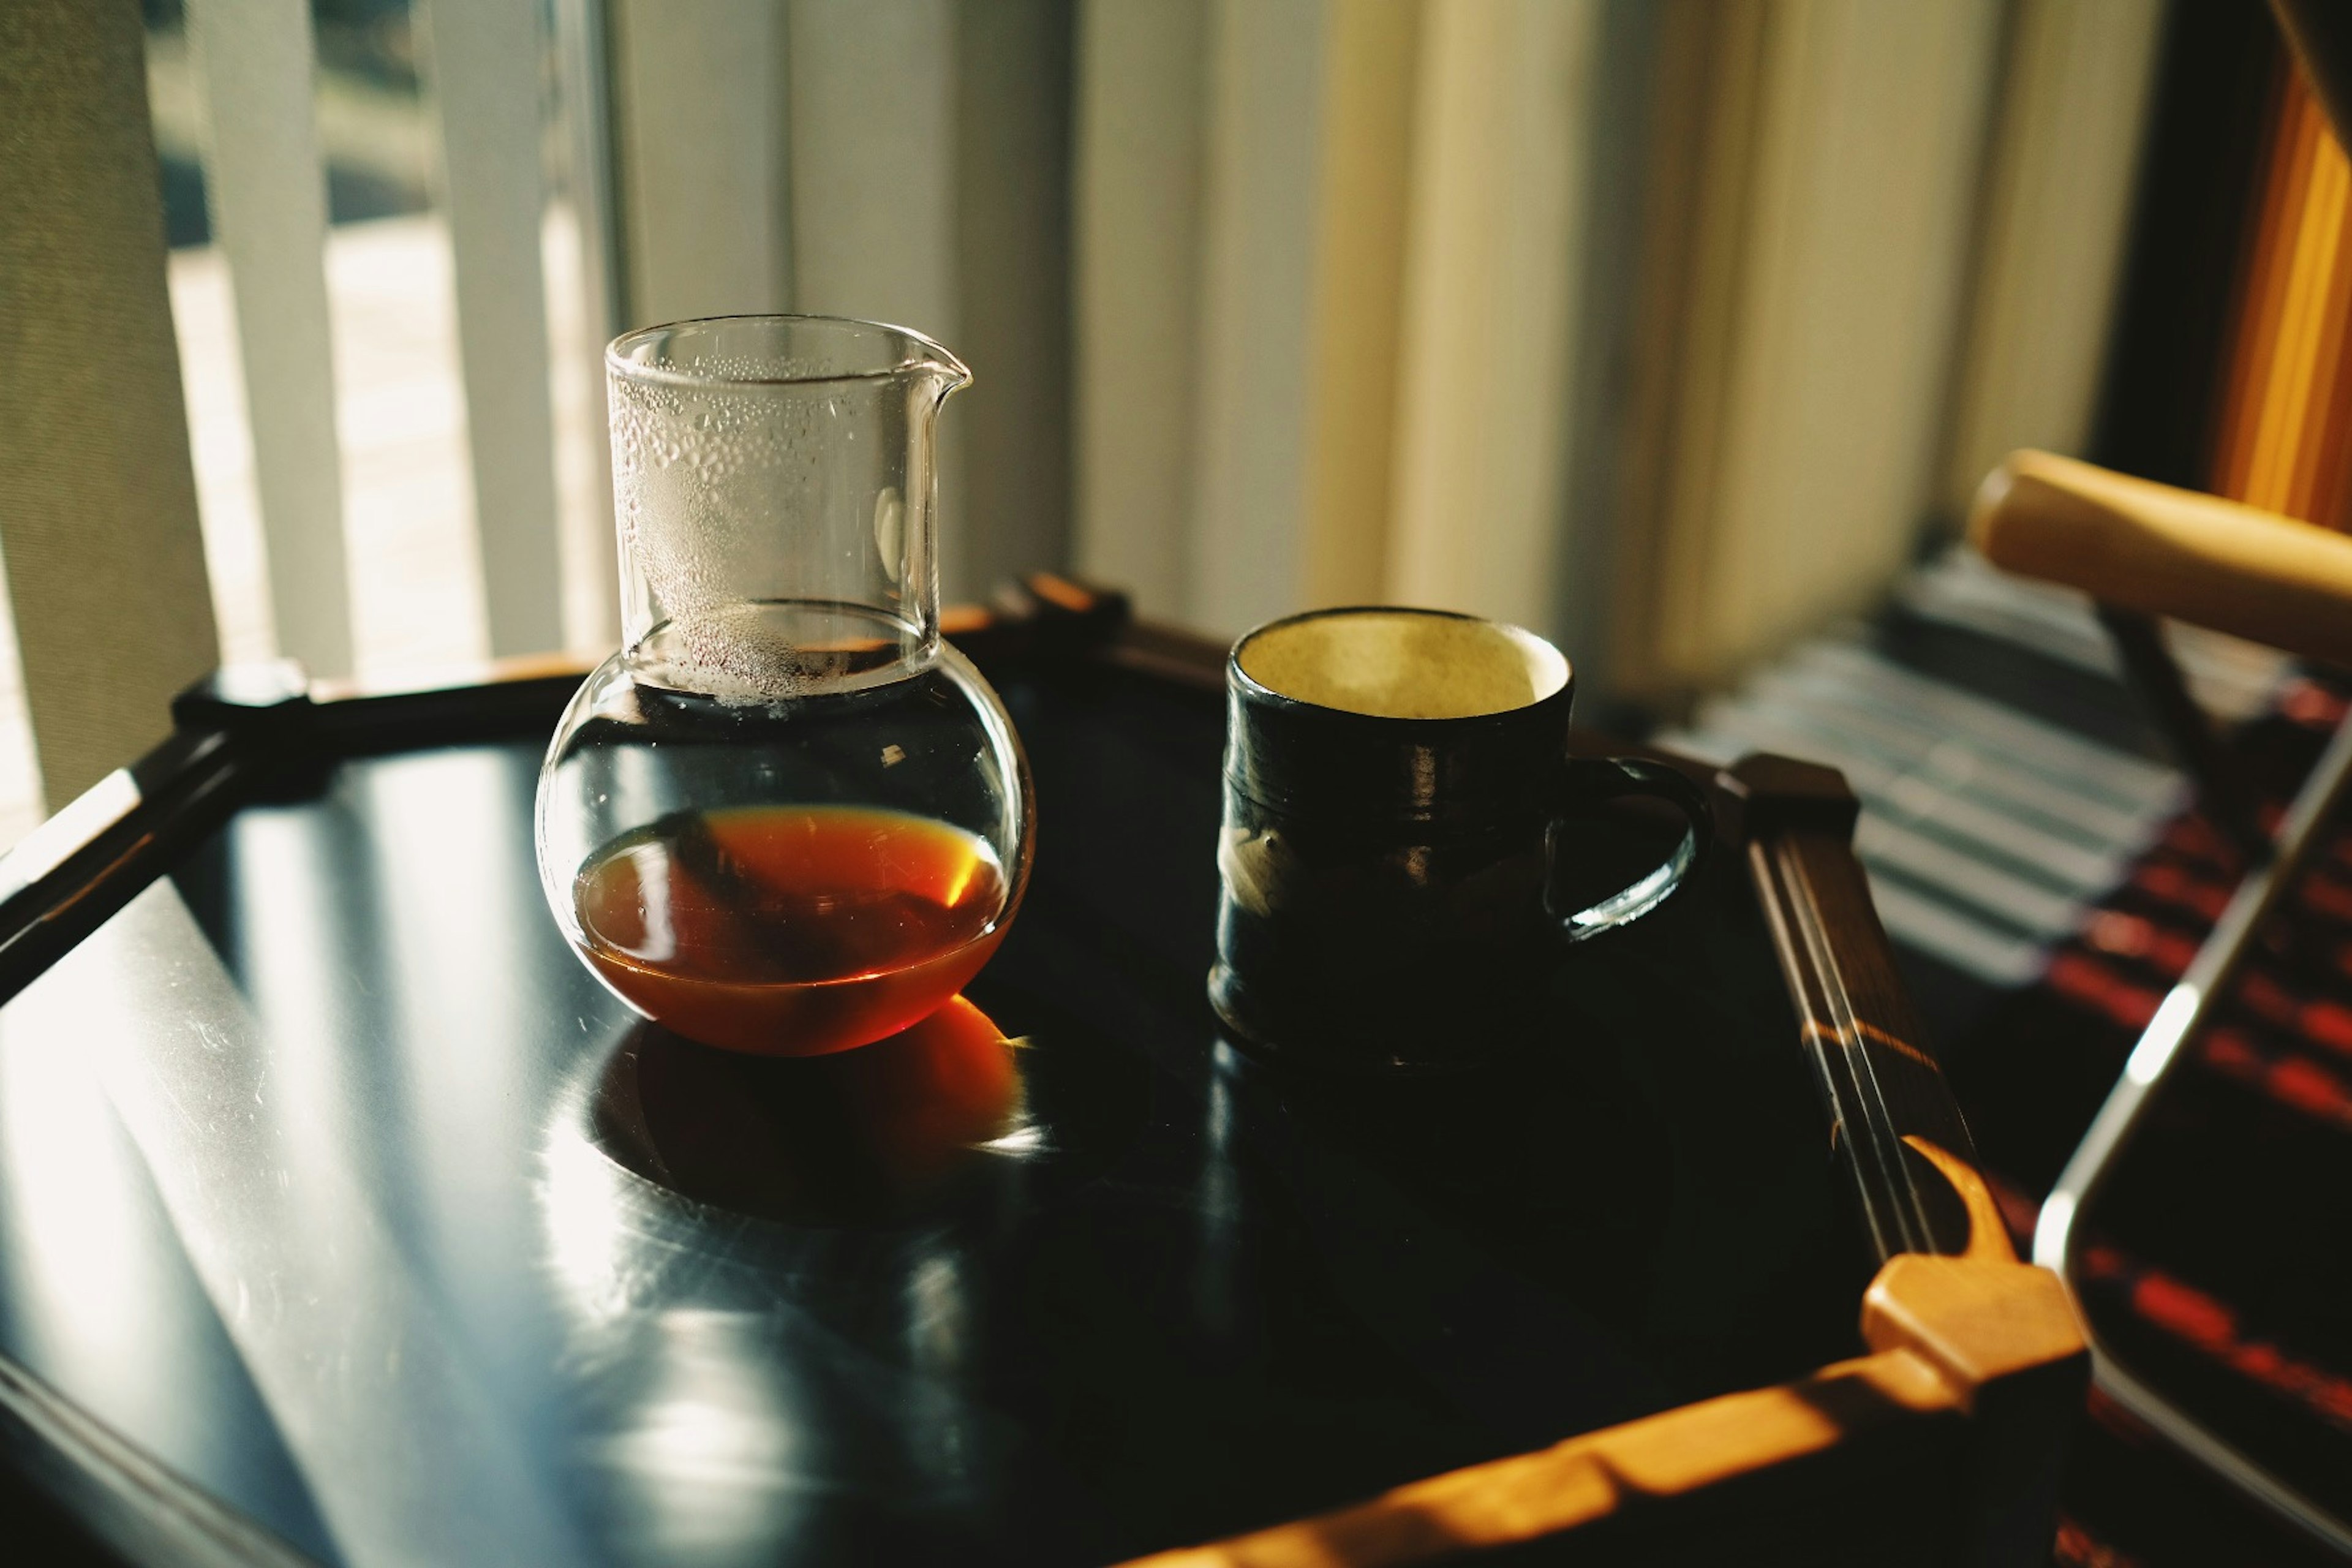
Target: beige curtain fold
{"type": "Point", "coordinates": [98, 510]}
{"type": "Point", "coordinates": [1658, 327]}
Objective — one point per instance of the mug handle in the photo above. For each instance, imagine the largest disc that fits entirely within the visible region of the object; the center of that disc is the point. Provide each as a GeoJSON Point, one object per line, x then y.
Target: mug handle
{"type": "Point", "coordinates": [1595, 779]}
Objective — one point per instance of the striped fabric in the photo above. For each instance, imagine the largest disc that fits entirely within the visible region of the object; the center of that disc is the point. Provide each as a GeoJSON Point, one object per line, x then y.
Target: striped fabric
{"type": "Point", "coordinates": [2216, 1269]}
{"type": "Point", "coordinates": [1988, 830]}
{"type": "Point", "coordinates": [2042, 854]}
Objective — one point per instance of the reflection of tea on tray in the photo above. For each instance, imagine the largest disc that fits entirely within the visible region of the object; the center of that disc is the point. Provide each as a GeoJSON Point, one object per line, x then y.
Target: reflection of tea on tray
{"type": "Point", "coordinates": [791, 930]}
{"type": "Point", "coordinates": [880, 1132]}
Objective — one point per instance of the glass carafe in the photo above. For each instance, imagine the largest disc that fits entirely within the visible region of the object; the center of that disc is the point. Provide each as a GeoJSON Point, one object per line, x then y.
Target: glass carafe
{"type": "Point", "coordinates": [786, 817]}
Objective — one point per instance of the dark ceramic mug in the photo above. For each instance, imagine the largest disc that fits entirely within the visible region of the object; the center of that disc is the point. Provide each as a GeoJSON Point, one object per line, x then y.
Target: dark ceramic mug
{"type": "Point", "coordinates": [1395, 782]}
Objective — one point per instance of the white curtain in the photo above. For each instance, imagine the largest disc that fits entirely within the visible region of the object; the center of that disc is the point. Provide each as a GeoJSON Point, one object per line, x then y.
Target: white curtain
{"type": "Point", "coordinates": [1662, 326]}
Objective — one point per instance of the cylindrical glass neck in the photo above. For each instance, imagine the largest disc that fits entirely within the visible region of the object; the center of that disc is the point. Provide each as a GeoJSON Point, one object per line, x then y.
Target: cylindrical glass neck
{"type": "Point", "coordinates": [776, 495]}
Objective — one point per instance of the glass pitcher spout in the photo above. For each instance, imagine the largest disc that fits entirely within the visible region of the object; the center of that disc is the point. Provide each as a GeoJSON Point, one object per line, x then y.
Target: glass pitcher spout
{"type": "Point", "coordinates": [777, 490]}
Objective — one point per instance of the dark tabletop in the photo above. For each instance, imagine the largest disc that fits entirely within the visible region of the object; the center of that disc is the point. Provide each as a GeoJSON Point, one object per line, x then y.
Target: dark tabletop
{"type": "Point", "coordinates": [330, 1178]}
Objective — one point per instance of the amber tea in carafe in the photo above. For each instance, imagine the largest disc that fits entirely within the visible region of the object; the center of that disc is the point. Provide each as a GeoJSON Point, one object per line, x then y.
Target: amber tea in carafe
{"type": "Point", "coordinates": [828, 926]}
{"type": "Point", "coordinates": [787, 817]}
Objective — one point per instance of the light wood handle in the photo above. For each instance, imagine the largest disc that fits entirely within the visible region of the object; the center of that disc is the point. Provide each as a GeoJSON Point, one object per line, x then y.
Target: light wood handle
{"type": "Point", "coordinates": [2168, 551]}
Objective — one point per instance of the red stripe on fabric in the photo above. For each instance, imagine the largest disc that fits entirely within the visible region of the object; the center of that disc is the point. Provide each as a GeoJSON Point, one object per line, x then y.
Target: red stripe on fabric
{"type": "Point", "coordinates": [2210, 1326]}
{"type": "Point", "coordinates": [2194, 838]}
{"type": "Point", "coordinates": [2298, 1084]}
{"type": "Point", "coordinates": [2176, 885]}
{"type": "Point", "coordinates": [2231, 1054]}
{"type": "Point", "coordinates": [2095, 984]}
{"type": "Point", "coordinates": [2312, 705]}
{"type": "Point", "coordinates": [2310, 1088]}
{"type": "Point", "coordinates": [2330, 1023]}
{"type": "Point", "coordinates": [2184, 1313]}
{"type": "Point", "coordinates": [2325, 896]}
{"type": "Point", "coordinates": [2265, 998]}
{"type": "Point", "coordinates": [2138, 938]}
{"type": "Point", "coordinates": [2078, 1548]}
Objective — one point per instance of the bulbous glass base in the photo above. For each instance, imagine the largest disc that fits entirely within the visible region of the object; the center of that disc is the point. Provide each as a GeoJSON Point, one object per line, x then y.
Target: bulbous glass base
{"type": "Point", "coordinates": [788, 876]}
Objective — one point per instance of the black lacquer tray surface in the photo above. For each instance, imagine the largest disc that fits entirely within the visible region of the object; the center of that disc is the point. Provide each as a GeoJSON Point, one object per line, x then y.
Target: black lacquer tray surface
{"type": "Point", "coordinates": [333, 1183]}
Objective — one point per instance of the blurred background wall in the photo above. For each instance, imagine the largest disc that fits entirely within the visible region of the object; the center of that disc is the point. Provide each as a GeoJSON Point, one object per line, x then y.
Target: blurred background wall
{"type": "Point", "coordinates": [1671, 328]}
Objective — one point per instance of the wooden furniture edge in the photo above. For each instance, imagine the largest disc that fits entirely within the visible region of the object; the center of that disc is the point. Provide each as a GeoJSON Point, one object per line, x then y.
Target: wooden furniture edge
{"type": "Point", "coordinates": [1977, 1336]}
{"type": "Point", "coordinates": [2163, 551]}
{"type": "Point", "coordinates": [1881, 1085]}
{"type": "Point", "coordinates": [1949, 1287]}
{"type": "Point", "coordinates": [1981, 1316]}
{"type": "Point", "coordinates": [1586, 1480]}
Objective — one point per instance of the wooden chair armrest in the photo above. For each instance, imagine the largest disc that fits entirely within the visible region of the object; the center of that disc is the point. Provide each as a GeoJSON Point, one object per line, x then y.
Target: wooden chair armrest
{"type": "Point", "coordinates": [2168, 551]}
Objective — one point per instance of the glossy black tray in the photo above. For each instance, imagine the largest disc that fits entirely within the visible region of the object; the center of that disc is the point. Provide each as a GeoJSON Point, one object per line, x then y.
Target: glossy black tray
{"type": "Point", "coordinates": [343, 1216]}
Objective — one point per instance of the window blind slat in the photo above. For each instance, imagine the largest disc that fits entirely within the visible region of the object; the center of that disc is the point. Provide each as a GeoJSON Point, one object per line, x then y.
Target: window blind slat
{"type": "Point", "coordinates": [1142, 116]}
{"type": "Point", "coordinates": [1497, 252]}
{"type": "Point", "coordinates": [268, 197]}
{"type": "Point", "coordinates": [584, 48]}
{"type": "Point", "coordinates": [855, 251]}
{"type": "Point", "coordinates": [699, 95]}
{"type": "Point", "coordinates": [1011, 180]}
{"type": "Point", "coordinates": [1266, 91]}
{"type": "Point", "coordinates": [486, 59]}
